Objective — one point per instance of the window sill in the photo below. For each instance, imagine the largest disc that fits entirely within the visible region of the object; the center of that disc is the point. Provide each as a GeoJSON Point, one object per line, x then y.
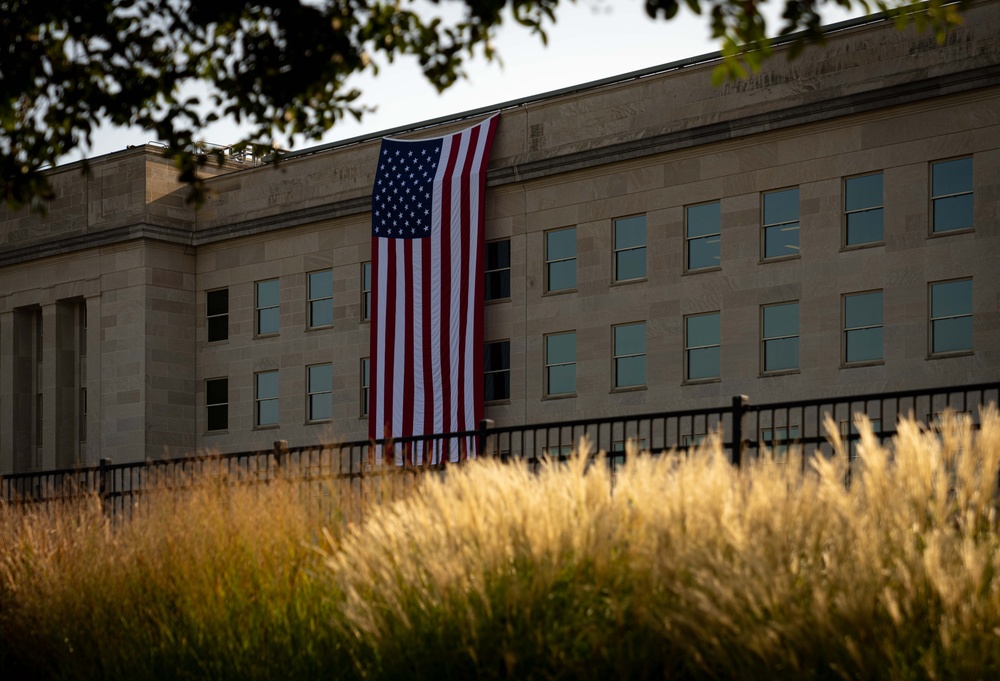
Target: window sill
{"type": "Point", "coordinates": [561, 396]}
{"type": "Point", "coordinates": [847, 248]}
{"type": "Point", "coordinates": [325, 327]}
{"type": "Point", "coordinates": [271, 426]}
{"type": "Point", "coordinates": [265, 336]}
{"type": "Point", "coordinates": [950, 232]}
{"type": "Point", "coordinates": [783, 372]}
{"type": "Point", "coordinates": [869, 363]}
{"type": "Point", "coordinates": [628, 389]}
{"type": "Point", "coordinates": [947, 355]}
{"type": "Point", "coordinates": [317, 422]}
{"type": "Point", "coordinates": [702, 381]}
{"type": "Point", "coordinates": [215, 432]}
{"type": "Point", "coordinates": [221, 341]}
{"type": "Point", "coordinates": [494, 301]}
{"type": "Point", "coordinates": [625, 282]}
{"type": "Point", "coordinates": [560, 292]}
{"type": "Point", "coordinates": [779, 258]}
{"type": "Point", "coordinates": [702, 270]}
{"type": "Point", "coordinates": [496, 403]}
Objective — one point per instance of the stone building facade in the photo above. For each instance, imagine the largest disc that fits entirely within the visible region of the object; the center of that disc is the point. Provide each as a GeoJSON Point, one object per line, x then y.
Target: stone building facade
{"type": "Point", "coordinates": [829, 226]}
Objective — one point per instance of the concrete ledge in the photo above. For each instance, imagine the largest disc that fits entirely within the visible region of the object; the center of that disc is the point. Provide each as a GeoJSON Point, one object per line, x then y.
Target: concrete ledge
{"type": "Point", "coordinates": [107, 237]}
{"type": "Point", "coordinates": [896, 95]}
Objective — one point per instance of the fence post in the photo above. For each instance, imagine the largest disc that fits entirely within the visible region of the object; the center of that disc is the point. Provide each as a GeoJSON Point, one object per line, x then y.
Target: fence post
{"type": "Point", "coordinates": [104, 483]}
{"type": "Point", "coordinates": [481, 434]}
{"type": "Point", "coordinates": [740, 408]}
{"type": "Point", "coordinates": [280, 450]}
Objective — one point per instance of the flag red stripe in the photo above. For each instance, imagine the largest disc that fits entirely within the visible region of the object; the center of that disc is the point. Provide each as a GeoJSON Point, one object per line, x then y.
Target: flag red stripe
{"type": "Point", "coordinates": [428, 379]}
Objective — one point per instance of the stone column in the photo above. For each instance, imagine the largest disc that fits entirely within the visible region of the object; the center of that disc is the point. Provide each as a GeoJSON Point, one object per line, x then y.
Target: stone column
{"type": "Point", "coordinates": [6, 392]}
{"type": "Point", "coordinates": [48, 387]}
{"type": "Point", "coordinates": [22, 402]}
{"type": "Point", "coordinates": [66, 392]}
{"type": "Point", "coordinates": [92, 453]}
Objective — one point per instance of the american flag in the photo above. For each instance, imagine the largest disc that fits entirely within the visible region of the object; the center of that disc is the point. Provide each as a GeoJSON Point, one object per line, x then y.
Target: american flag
{"type": "Point", "coordinates": [426, 358]}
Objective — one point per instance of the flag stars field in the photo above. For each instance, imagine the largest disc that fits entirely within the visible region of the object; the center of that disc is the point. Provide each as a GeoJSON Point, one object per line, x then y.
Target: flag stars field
{"type": "Point", "coordinates": [402, 179]}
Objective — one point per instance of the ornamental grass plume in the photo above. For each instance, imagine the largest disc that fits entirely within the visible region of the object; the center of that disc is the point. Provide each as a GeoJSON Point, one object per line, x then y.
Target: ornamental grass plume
{"type": "Point", "coordinates": [214, 581]}
{"type": "Point", "coordinates": [681, 566]}
{"type": "Point", "coordinates": [690, 568]}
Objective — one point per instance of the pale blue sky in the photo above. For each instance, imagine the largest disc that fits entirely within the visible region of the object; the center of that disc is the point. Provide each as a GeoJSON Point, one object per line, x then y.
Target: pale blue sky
{"type": "Point", "coordinates": [591, 39]}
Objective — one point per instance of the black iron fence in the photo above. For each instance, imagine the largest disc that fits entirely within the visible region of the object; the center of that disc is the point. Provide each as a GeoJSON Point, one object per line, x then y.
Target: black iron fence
{"type": "Point", "coordinates": [352, 474]}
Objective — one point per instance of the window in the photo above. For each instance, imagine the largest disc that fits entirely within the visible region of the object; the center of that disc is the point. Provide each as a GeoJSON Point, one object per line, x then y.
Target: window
{"type": "Point", "coordinates": [951, 195]}
{"type": "Point", "coordinates": [863, 327]}
{"type": "Point", "coordinates": [321, 298]}
{"type": "Point", "coordinates": [497, 270]}
{"type": "Point", "coordinates": [703, 236]}
{"type": "Point", "coordinates": [849, 432]}
{"type": "Point", "coordinates": [619, 448]}
{"type": "Point", "coordinates": [365, 382]}
{"type": "Point", "coordinates": [701, 346]}
{"type": "Point", "coordinates": [935, 421]}
{"type": "Point", "coordinates": [558, 452]}
{"type": "Point", "coordinates": [560, 363]}
{"type": "Point", "coordinates": [217, 311]}
{"type": "Point", "coordinates": [217, 404]}
{"type": "Point", "coordinates": [320, 392]}
{"type": "Point", "coordinates": [863, 210]}
{"type": "Point", "coordinates": [622, 445]}
{"type": "Point", "coordinates": [267, 307]}
{"type": "Point", "coordinates": [266, 398]}
{"type": "Point", "coordinates": [951, 317]}
{"type": "Point", "coordinates": [693, 440]}
{"type": "Point", "coordinates": [630, 355]}
{"type": "Point", "coordinates": [83, 415]}
{"type": "Point", "coordinates": [366, 291]}
{"type": "Point", "coordinates": [780, 333]}
{"type": "Point", "coordinates": [778, 439]}
{"type": "Point", "coordinates": [630, 248]}
{"type": "Point", "coordinates": [781, 223]}
{"type": "Point", "coordinates": [39, 422]}
{"type": "Point", "coordinates": [497, 371]}
{"type": "Point", "coordinates": [560, 260]}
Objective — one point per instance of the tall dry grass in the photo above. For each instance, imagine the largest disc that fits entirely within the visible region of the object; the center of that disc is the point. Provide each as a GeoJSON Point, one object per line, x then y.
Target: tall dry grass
{"type": "Point", "coordinates": [214, 582]}
{"type": "Point", "coordinates": [689, 569]}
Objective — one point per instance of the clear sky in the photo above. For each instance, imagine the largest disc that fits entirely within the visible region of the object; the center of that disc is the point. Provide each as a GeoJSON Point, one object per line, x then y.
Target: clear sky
{"type": "Point", "coordinates": [592, 39]}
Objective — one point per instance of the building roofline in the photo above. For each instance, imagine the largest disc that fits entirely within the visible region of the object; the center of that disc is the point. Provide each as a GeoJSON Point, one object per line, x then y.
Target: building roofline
{"type": "Point", "coordinates": [677, 65]}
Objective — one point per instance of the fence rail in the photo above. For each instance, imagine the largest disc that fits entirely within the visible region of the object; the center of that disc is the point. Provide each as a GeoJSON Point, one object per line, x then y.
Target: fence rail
{"type": "Point", "coordinates": [358, 471]}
